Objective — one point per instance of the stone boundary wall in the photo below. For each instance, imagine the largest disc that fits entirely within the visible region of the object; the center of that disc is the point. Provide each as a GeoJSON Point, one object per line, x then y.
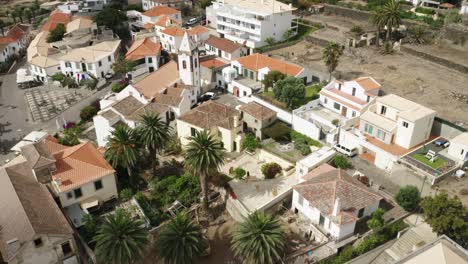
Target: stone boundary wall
{"type": "Point", "coordinates": [347, 12]}
{"type": "Point", "coordinates": [316, 41]}
{"type": "Point", "coordinates": [434, 59]}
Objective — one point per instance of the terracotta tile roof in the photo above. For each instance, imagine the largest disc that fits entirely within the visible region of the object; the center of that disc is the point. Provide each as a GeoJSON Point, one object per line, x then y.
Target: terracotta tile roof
{"type": "Point", "coordinates": [27, 208]}
{"type": "Point", "coordinates": [127, 105]}
{"type": "Point", "coordinates": [37, 155]}
{"type": "Point", "coordinates": [155, 83]}
{"type": "Point", "coordinates": [166, 20]}
{"type": "Point", "coordinates": [367, 83]}
{"type": "Point", "coordinates": [6, 40]}
{"type": "Point", "coordinates": [197, 30]}
{"type": "Point", "coordinates": [322, 190]}
{"type": "Point", "coordinates": [55, 18]}
{"type": "Point", "coordinates": [212, 63]}
{"type": "Point", "coordinates": [258, 61]}
{"type": "Point", "coordinates": [151, 107]}
{"type": "Point", "coordinates": [142, 48]}
{"type": "Point", "coordinates": [18, 31]}
{"type": "Point", "coordinates": [223, 44]}
{"type": "Point", "coordinates": [173, 31]}
{"type": "Point", "coordinates": [165, 99]}
{"type": "Point", "coordinates": [324, 168]}
{"type": "Point", "coordinates": [211, 114]}
{"type": "Point", "coordinates": [148, 25]}
{"type": "Point", "coordinates": [160, 10]}
{"type": "Point", "coordinates": [258, 111]}
{"type": "Point", "coordinates": [78, 164]}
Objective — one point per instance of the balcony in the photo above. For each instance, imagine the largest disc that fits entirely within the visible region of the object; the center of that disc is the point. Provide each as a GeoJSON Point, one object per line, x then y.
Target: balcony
{"type": "Point", "coordinates": [242, 16]}
{"type": "Point", "coordinates": [241, 26]}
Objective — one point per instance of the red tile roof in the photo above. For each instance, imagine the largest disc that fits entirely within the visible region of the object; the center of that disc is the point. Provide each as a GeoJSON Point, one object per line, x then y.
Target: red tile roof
{"type": "Point", "coordinates": [142, 48]}
{"type": "Point", "coordinates": [322, 190]}
{"type": "Point", "coordinates": [223, 44]}
{"type": "Point", "coordinates": [197, 30]}
{"type": "Point", "coordinates": [367, 83]}
{"type": "Point", "coordinates": [160, 10]}
{"type": "Point", "coordinates": [212, 63]}
{"type": "Point", "coordinates": [55, 18]}
{"type": "Point", "coordinates": [14, 34]}
{"type": "Point", "coordinates": [258, 61]}
{"type": "Point", "coordinates": [77, 165]}
{"type": "Point", "coordinates": [166, 20]}
{"type": "Point", "coordinates": [173, 31]}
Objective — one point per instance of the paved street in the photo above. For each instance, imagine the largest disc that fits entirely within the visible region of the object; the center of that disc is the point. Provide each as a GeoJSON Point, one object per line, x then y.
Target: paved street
{"type": "Point", "coordinates": [15, 117]}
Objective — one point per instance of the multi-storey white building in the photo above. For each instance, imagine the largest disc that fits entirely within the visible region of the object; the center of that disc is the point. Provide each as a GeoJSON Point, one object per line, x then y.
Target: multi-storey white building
{"type": "Point", "coordinates": [171, 37]}
{"type": "Point", "coordinates": [251, 22]}
{"type": "Point", "coordinates": [96, 60]}
{"type": "Point", "coordinates": [388, 129]}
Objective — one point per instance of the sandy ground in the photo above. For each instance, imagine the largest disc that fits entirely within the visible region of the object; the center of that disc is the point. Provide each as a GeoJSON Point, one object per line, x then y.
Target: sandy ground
{"type": "Point", "coordinates": [411, 77]}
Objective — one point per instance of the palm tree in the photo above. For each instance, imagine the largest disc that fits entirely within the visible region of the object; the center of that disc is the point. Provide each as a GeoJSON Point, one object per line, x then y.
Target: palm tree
{"type": "Point", "coordinates": [259, 239]}
{"type": "Point", "coordinates": [20, 12]}
{"type": "Point", "coordinates": [14, 15]}
{"type": "Point", "coordinates": [203, 155]}
{"type": "Point", "coordinates": [120, 239]}
{"type": "Point", "coordinates": [378, 20]}
{"type": "Point", "coordinates": [181, 240]}
{"type": "Point", "coordinates": [2, 27]}
{"type": "Point", "coordinates": [392, 16]}
{"type": "Point", "coordinates": [28, 14]}
{"type": "Point", "coordinates": [122, 149]}
{"type": "Point", "coordinates": [331, 55]}
{"type": "Point", "coordinates": [153, 133]}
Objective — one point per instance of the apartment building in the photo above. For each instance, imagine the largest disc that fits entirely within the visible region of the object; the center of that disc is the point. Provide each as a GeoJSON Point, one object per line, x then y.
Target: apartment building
{"type": "Point", "coordinates": [388, 129]}
{"type": "Point", "coordinates": [148, 4]}
{"type": "Point", "coordinates": [250, 22]}
{"type": "Point", "coordinates": [93, 60]}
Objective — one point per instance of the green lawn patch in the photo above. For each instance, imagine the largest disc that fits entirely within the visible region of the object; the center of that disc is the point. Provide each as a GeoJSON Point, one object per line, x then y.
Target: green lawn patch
{"type": "Point", "coordinates": [270, 98]}
{"type": "Point", "coordinates": [278, 131]}
{"type": "Point", "coordinates": [311, 93]}
{"type": "Point", "coordinates": [435, 165]}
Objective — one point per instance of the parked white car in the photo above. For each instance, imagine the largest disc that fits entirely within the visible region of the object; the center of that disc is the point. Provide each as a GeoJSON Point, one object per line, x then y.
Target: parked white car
{"type": "Point", "coordinates": [344, 150]}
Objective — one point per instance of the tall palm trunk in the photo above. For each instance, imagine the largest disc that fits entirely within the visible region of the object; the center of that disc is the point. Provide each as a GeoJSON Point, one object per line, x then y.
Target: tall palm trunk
{"type": "Point", "coordinates": [204, 187]}
{"type": "Point", "coordinates": [154, 163]}
{"type": "Point", "coordinates": [130, 177]}
{"type": "Point", "coordinates": [389, 32]}
{"type": "Point", "coordinates": [377, 37]}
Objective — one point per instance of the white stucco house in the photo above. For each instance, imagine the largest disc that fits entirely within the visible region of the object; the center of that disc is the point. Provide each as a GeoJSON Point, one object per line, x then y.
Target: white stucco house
{"type": "Point", "coordinates": [80, 176]}
{"type": "Point", "coordinates": [244, 75]}
{"type": "Point", "coordinates": [224, 48]}
{"type": "Point", "coordinates": [14, 41]}
{"type": "Point", "coordinates": [95, 60]}
{"type": "Point", "coordinates": [222, 121]}
{"type": "Point", "coordinates": [250, 22]}
{"type": "Point", "coordinates": [339, 101]}
{"type": "Point", "coordinates": [43, 61]}
{"type": "Point", "coordinates": [333, 201]}
{"type": "Point", "coordinates": [146, 54]}
{"type": "Point", "coordinates": [152, 15]}
{"type": "Point", "coordinates": [34, 230]}
{"type": "Point", "coordinates": [388, 129]}
{"type": "Point", "coordinates": [458, 148]}
{"type": "Point", "coordinates": [171, 37]}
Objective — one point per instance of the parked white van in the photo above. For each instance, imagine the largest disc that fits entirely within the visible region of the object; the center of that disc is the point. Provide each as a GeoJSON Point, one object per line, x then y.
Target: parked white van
{"type": "Point", "coordinates": [344, 150]}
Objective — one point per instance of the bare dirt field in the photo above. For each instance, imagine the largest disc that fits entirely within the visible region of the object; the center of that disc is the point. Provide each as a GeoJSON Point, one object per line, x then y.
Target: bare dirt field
{"type": "Point", "coordinates": [408, 76]}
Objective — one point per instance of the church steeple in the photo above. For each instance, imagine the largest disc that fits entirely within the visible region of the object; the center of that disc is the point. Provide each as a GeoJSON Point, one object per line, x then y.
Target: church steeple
{"type": "Point", "coordinates": [189, 64]}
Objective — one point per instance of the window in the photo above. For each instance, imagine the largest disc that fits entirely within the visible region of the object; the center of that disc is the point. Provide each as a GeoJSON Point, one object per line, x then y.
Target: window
{"type": "Point", "coordinates": [78, 193]}
{"type": "Point", "coordinates": [256, 121]}
{"type": "Point", "coordinates": [461, 153]}
{"type": "Point", "coordinates": [150, 60]}
{"type": "Point", "coordinates": [109, 58]}
{"type": "Point", "coordinates": [192, 131]}
{"type": "Point", "coordinates": [38, 242]}
{"type": "Point", "coordinates": [353, 114]}
{"type": "Point", "coordinates": [195, 63]}
{"type": "Point", "coordinates": [184, 65]}
{"type": "Point", "coordinates": [381, 134]}
{"type": "Point", "coordinates": [360, 213]}
{"type": "Point", "coordinates": [368, 128]}
{"type": "Point", "coordinates": [66, 249]}
{"type": "Point", "coordinates": [383, 110]}
{"type": "Point", "coordinates": [69, 195]}
{"type": "Point", "coordinates": [98, 185]}
{"type": "Point", "coordinates": [68, 64]}
{"type": "Point", "coordinates": [325, 100]}
{"type": "Point", "coordinates": [405, 124]}
{"type": "Point", "coordinates": [246, 72]}
{"type": "Point", "coordinates": [300, 200]}
{"type": "Point", "coordinates": [368, 99]}
{"type": "Point", "coordinates": [336, 106]}
{"type": "Point", "coordinates": [354, 91]}
{"type": "Point", "coordinates": [339, 86]}
{"type": "Point", "coordinates": [251, 75]}
{"type": "Point", "coordinates": [102, 74]}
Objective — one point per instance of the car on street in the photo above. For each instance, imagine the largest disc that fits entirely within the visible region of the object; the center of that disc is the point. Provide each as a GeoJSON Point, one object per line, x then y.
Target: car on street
{"type": "Point", "coordinates": [192, 21]}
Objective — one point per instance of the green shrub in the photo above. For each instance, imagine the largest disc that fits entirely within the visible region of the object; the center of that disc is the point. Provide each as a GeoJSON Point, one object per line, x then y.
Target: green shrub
{"type": "Point", "coordinates": [408, 197]}
{"type": "Point", "coordinates": [155, 215]}
{"type": "Point", "coordinates": [301, 145]}
{"type": "Point", "coordinates": [57, 33]}
{"type": "Point", "coordinates": [377, 221]}
{"type": "Point", "coordinates": [184, 188]}
{"type": "Point", "coordinates": [369, 243]}
{"type": "Point", "coordinates": [426, 11]}
{"type": "Point", "coordinates": [58, 77]}
{"type": "Point", "coordinates": [126, 194]}
{"type": "Point", "coordinates": [298, 136]}
{"type": "Point", "coordinates": [340, 162]}
{"type": "Point", "coordinates": [239, 173]}
{"type": "Point", "coordinates": [88, 112]}
{"type": "Point", "coordinates": [270, 170]}
{"type": "Point", "coordinates": [345, 255]}
{"type": "Point", "coordinates": [250, 143]}
{"type": "Point", "coordinates": [117, 87]}
{"type": "Point", "coordinates": [278, 131]}
{"type": "Point", "coordinates": [357, 29]}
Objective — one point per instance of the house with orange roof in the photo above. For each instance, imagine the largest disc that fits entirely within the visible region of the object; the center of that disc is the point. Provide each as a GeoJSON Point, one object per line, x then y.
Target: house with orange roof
{"type": "Point", "coordinates": [211, 72]}
{"type": "Point", "coordinates": [153, 14]}
{"type": "Point", "coordinates": [55, 18]}
{"type": "Point", "coordinates": [78, 176]}
{"type": "Point", "coordinates": [16, 39]}
{"type": "Point", "coordinates": [224, 48]}
{"type": "Point", "coordinates": [145, 54]}
{"type": "Point", "coordinates": [148, 4]}
{"type": "Point", "coordinates": [244, 75]}
{"type": "Point", "coordinates": [333, 201]}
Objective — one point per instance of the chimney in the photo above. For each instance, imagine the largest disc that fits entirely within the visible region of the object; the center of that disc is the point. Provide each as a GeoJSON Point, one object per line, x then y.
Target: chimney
{"type": "Point", "coordinates": [337, 207]}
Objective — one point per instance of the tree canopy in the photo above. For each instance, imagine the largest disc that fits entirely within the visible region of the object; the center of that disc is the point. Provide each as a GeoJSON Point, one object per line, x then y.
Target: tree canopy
{"type": "Point", "coordinates": [331, 56]}
{"type": "Point", "coordinates": [271, 78]}
{"type": "Point", "coordinates": [110, 17]}
{"type": "Point", "coordinates": [408, 197]}
{"type": "Point", "coordinates": [122, 66]}
{"type": "Point", "coordinates": [57, 33]}
{"type": "Point", "coordinates": [447, 216]}
{"type": "Point", "coordinates": [289, 90]}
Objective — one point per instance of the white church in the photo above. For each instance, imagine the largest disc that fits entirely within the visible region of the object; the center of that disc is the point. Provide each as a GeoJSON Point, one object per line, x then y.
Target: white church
{"type": "Point", "coordinates": [170, 91]}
